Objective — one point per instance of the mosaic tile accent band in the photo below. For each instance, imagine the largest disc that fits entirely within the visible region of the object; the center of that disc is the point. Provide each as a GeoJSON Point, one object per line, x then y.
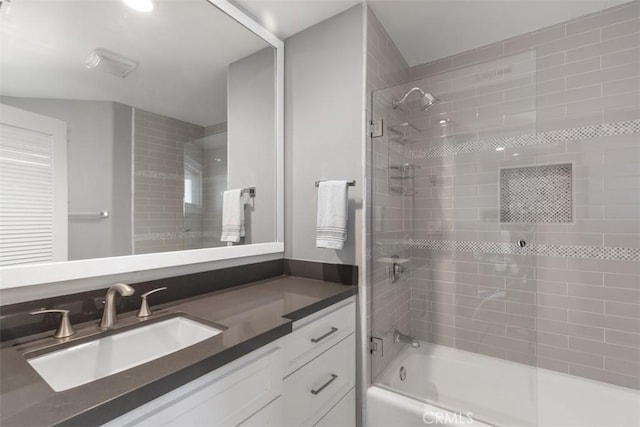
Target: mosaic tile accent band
{"type": "Point", "coordinates": [159, 175]}
{"type": "Point", "coordinates": [176, 235]}
{"type": "Point", "coordinates": [571, 251]}
{"type": "Point", "coordinates": [564, 135]}
{"type": "Point", "coordinates": [536, 194]}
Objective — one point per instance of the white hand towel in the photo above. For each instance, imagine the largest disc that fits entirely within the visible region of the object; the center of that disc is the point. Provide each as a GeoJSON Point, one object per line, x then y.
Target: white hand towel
{"type": "Point", "coordinates": [232, 216]}
{"type": "Point", "coordinates": [331, 229]}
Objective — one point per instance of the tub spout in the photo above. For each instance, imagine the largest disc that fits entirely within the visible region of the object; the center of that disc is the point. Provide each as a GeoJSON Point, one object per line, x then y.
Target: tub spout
{"type": "Point", "coordinates": [399, 337]}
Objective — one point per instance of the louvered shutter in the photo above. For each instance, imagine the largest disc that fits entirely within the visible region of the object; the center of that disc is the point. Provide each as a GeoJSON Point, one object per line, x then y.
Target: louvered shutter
{"type": "Point", "coordinates": [31, 228]}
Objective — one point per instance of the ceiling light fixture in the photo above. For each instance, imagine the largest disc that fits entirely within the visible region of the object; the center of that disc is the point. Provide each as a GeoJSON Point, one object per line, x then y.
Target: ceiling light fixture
{"type": "Point", "coordinates": [140, 5]}
{"type": "Point", "coordinates": [110, 62]}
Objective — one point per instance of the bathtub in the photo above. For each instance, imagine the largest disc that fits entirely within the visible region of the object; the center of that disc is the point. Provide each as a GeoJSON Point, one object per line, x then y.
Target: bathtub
{"type": "Point", "coordinates": [478, 390]}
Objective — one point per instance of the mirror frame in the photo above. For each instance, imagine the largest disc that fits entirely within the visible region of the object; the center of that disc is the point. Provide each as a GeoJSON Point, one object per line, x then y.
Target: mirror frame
{"type": "Point", "coordinates": [35, 274]}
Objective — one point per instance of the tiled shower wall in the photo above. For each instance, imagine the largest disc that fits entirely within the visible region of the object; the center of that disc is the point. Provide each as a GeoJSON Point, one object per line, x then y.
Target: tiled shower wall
{"type": "Point", "coordinates": [159, 181]}
{"type": "Point", "coordinates": [389, 309]}
{"type": "Point", "coordinates": [569, 300]}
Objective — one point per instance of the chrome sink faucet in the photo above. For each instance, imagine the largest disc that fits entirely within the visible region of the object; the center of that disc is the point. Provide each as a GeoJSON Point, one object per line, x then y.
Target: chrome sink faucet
{"type": "Point", "coordinates": [109, 316]}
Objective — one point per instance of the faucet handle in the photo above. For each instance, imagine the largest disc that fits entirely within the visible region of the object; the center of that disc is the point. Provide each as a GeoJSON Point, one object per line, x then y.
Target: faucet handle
{"type": "Point", "coordinates": [65, 329]}
{"type": "Point", "coordinates": [145, 311]}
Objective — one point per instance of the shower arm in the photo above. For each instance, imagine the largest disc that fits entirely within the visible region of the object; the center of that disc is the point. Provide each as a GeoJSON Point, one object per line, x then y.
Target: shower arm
{"type": "Point", "coordinates": [396, 103]}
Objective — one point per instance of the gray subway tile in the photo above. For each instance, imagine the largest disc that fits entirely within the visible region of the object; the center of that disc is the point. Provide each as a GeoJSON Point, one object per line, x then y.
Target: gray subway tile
{"type": "Point", "coordinates": [610, 322]}
{"type": "Point", "coordinates": [553, 364]}
{"type": "Point", "coordinates": [570, 42]}
{"type": "Point", "coordinates": [604, 75]}
{"type": "Point", "coordinates": [623, 367]}
{"type": "Point", "coordinates": [571, 356]}
{"type": "Point", "coordinates": [571, 329]}
{"type": "Point", "coordinates": [621, 29]}
{"type": "Point", "coordinates": [606, 376]}
{"type": "Point", "coordinates": [565, 70]}
{"type": "Point", "coordinates": [608, 17]}
{"type": "Point", "coordinates": [605, 349]}
{"type": "Point", "coordinates": [622, 309]}
{"type": "Point", "coordinates": [603, 48]}
{"type": "Point", "coordinates": [621, 57]}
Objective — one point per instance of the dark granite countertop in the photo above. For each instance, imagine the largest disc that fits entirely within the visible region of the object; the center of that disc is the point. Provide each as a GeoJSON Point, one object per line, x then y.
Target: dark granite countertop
{"type": "Point", "coordinates": [253, 315]}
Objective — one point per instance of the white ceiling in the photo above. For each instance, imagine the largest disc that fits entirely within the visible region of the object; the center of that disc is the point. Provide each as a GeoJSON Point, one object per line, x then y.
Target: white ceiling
{"type": "Point", "coordinates": [182, 48]}
{"type": "Point", "coordinates": [285, 18]}
{"type": "Point", "coordinates": [426, 30]}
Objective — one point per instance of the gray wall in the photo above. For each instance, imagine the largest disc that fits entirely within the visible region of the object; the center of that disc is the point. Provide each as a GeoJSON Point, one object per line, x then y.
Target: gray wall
{"type": "Point", "coordinates": [90, 127]}
{"type": "Point", "coordinates": [251, 140]}
{"type": "Point", "coordinates": [324, 124]}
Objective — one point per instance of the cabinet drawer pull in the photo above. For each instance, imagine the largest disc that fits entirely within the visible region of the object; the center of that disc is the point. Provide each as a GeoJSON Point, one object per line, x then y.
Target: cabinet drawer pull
{"type": "Point", "coordinates": [325, 385]}
{"type": "Point", "coordinates": [332, 331]}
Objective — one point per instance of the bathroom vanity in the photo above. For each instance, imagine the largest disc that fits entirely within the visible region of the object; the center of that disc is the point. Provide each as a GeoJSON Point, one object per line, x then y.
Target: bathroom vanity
{"type": "Point", "coordinates": [285, 356]}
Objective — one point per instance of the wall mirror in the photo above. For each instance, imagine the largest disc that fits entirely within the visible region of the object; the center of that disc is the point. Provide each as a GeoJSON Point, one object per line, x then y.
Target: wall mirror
{"type": "Point", "coordinates": [122, 124]}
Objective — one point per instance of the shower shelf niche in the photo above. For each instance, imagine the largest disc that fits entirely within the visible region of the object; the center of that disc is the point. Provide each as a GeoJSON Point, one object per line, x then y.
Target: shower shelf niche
{"type": "Point", "coordinates": [536, 194]}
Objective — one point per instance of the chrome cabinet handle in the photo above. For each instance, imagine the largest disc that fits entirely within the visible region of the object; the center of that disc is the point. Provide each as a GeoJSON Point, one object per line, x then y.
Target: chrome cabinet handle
{"type": "Point", "coordinates": [64, 329]}
{"type": "Point", "coordinates": [145, 311]}
{"type": "Point", "coordinates": [325, 385]}
{"type": "Point", "coordinates": [332, 331]}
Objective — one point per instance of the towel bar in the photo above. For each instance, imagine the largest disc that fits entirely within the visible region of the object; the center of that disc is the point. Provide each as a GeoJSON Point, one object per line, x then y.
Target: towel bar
{"type": "Point", "coordinates": [98, 215]}
{"type": "Point", "coordinates": [251, 191]}
{"type": "Point", "coordinates": [349, 183]}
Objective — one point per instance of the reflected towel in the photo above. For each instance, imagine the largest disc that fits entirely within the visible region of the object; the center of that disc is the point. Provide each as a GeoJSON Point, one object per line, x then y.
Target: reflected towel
{"type": "Point", "coordinates": [232, 216]}
{"type": "Point", "coordinates": [331, 229]}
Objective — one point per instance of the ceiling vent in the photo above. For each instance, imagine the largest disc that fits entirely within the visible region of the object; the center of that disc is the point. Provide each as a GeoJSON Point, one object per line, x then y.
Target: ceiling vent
{"type": "Point", "coordinates": [110, 62]}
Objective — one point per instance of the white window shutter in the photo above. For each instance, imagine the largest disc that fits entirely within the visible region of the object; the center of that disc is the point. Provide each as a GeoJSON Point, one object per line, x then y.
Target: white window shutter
{"type": "Point", "coordinates": [30, 205]}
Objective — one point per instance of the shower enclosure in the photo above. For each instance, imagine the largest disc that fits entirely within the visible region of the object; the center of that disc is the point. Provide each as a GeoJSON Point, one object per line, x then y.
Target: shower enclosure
{"type": "Point", "coordinates": [205, 179]}
{"type": "Point", "coordinates": [503, 229]}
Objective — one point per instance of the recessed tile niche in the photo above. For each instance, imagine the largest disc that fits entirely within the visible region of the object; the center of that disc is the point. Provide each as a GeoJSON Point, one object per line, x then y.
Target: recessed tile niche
{"type": "Point", "coordinates": [536, 194]}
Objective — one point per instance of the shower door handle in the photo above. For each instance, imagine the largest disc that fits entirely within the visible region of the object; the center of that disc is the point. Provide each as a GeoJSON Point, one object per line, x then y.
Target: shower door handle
{"type": "Point", "coordinates": [317, 391]}
{"type": "Point", "coordinates": [332, 331]}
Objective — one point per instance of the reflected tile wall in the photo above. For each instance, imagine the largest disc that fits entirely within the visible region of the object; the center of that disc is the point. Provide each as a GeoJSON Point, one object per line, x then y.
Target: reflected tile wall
{"type": "Point", "coordinates": [159, 181]}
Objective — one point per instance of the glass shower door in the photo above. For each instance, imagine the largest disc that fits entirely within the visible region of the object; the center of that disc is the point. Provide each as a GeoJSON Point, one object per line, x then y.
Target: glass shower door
{"type": "Point", "coordinates": [449, 219]}
{"type": "Point", "coordinates": [205, 178]}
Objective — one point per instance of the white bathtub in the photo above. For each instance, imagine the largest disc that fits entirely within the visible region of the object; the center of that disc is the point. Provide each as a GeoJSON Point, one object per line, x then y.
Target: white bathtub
{"type": "Point", "coordinates": [478, 390]}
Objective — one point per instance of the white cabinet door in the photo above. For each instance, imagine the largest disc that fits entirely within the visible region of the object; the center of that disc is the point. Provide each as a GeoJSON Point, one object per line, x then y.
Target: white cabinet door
{"type": "Point", "coordinates": [223, 397]}
{"type": "Point", "coordinates": [269, 416]}
{"type": "Point", "coordinates": [343, 414]}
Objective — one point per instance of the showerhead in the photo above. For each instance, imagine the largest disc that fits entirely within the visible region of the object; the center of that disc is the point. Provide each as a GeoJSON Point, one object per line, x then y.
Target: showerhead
{"type": "Point", "coordinates": [426, 100]}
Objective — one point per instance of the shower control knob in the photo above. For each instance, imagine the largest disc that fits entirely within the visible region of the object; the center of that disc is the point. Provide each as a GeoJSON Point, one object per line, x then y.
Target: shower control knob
{"type": "Point", "coordinates": [397, 269]}
{"type": "Point", "coordinates": [522, 243]}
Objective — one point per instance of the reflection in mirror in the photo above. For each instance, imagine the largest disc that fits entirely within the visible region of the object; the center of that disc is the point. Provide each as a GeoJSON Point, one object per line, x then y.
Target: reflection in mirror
{"type": "Point", "coordinates": [121, 129]}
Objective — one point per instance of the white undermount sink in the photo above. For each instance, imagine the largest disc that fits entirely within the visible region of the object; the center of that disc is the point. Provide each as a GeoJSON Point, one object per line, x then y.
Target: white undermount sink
{"type": "Point", "coordinates": [89, 361]}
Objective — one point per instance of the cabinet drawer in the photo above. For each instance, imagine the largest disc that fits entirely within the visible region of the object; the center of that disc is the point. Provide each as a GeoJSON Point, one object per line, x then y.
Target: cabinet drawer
{"type": "Point", "coordinates": [313, 390]}
{"type": "Point", "coordinates": [223, 397]}
{"type": "Point", "coordinates": [343, 414]}
{"type": "Point", "coordinates": [311, 339]}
